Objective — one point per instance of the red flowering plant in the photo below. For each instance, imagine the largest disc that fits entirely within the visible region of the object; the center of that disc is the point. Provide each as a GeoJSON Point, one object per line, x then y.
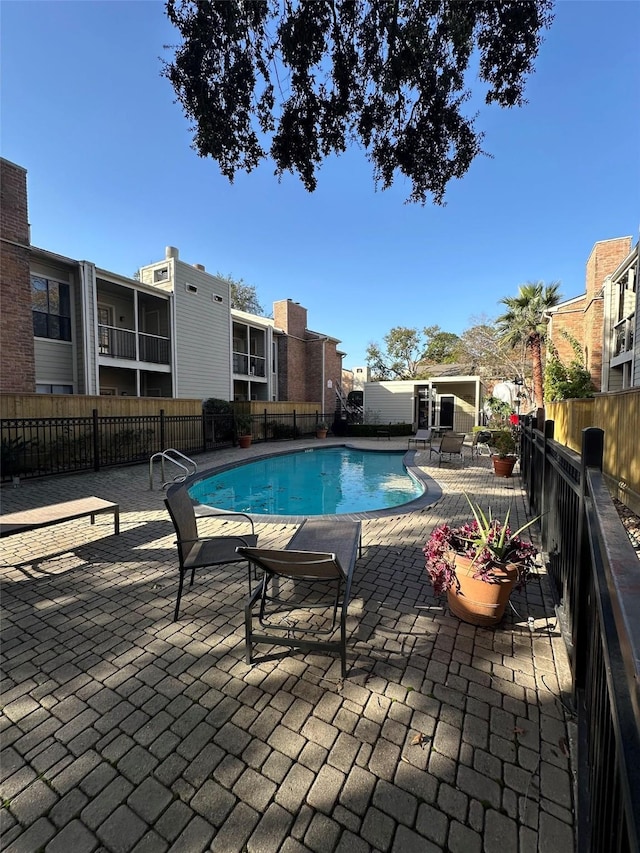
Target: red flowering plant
{"type": "Point", "coordinates": [488, 542]}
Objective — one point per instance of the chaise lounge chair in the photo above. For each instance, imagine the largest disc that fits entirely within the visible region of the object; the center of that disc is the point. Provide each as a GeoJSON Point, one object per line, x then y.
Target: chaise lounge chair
{"type": "Point", "coordinates": [422, 435]}
{"type": "Point", "coordinates": [451, 445]}
{"type": "Point", "coordinates": [305, 589]}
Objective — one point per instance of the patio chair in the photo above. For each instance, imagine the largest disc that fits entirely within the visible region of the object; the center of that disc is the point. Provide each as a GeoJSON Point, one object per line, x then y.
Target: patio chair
{"type": "Point", "coordinates": [421, 435]}
{"type": "Point", "coordinates": [450, 444]}
{"type": "Point", "coordinates": [304, 594]}
{"type": "Point", "coordinates": [480, 444]}
{"type": "Point", "coordinates": [198, 552]}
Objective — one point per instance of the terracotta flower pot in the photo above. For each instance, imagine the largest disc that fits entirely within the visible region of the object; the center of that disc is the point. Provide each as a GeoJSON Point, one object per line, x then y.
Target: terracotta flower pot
{"type": "Point", "coordinates": [321, 433]}
{"type": "Point", "coordinates": [479, 602]}
{"type": "Point", "coordinates": [503, 466]}
{"type": "Point", "coordinates": [244, 440]}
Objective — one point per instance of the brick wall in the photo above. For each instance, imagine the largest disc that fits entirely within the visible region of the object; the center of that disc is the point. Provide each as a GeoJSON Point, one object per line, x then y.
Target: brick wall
{"type": "Point", "coordinates": [571, 319]}
{"type": "Point", "coordinates": [333, 371]}
{"type": "Point", "coordinates": [17, 370]}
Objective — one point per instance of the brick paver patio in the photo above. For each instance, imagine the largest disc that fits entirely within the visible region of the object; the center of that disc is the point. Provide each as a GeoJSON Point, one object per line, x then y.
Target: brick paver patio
{"type": "Point", "coordinates": [123, 731]}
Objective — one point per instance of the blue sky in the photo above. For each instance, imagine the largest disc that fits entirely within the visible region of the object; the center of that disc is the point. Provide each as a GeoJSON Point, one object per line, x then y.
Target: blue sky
{"type": "Point", "coordinates": [112, 178]}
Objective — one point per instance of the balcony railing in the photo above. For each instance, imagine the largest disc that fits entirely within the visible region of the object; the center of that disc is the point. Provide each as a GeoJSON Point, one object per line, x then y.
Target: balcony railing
{"type": "Point", "coordinates": [249, 365]}
{"type": "Point", "coordinates": [121, 343]}
{"type": "Point", "coordinates": [623, 336]}
{"type": "Point", "coordinates": [154, 349]}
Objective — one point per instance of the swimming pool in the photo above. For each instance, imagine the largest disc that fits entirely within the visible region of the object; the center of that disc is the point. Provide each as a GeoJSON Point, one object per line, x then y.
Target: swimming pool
{"type": "Point", "coordinates": [329, 481]}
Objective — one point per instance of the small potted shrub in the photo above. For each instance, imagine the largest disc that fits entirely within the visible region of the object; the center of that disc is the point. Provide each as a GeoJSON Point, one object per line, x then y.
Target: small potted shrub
{"type": "Point", "coordinates": [243, 430]}
{"type": "Point", "coordinates": [478, 565]}
{"type": "Point", "coordinates": [321, 429]}
{"type": "Point", "coordinates": [15, 457]}
{"type": "Point", "coordinates": [503, 451]}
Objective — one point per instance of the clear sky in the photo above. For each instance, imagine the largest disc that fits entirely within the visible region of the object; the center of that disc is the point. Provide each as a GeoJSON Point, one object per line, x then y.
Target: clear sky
{"type": "Point", "coordinates": [112, 177]}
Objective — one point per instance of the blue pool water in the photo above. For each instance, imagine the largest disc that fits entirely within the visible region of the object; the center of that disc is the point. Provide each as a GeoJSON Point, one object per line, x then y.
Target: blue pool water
{"type": "Point", "coordinates": [337, 480]}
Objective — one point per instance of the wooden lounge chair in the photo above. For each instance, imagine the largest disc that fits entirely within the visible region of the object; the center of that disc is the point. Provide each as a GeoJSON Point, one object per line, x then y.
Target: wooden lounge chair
{"type": "Point", "coordinates": [451, 445]}
{"type": "Point", "coordinates": [305, 589]}
{"type": "Point", "coordinates": [197, 552]}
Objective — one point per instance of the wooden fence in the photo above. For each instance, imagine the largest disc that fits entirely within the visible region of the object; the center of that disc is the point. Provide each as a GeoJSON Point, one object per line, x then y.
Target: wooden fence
{"type": "Point", "coordinates": [618, 414]}
{"type": "Point", "coordinates": [82, 406]}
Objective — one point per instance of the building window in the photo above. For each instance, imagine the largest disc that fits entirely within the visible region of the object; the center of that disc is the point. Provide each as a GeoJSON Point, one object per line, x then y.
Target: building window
{"type": "Point", "coordinates": [51, 304]}
{"type": "Point", "coordinates": [53, 389]}
{"type": "Point", "coordinates": [161, 275]}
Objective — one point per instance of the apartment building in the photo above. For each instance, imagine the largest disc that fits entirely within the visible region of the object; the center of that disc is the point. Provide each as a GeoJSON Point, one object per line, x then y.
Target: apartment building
{"type": "Point", "coordinates": [75, 328]}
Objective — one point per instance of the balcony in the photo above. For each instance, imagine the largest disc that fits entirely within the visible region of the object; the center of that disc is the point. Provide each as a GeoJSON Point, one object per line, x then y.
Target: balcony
{"type": "Point", "coordinates": [249, 365]}
{"type": "Point", "coordinates": [121, 344]}
{"type": "Point", "coordinates": [623, 336]}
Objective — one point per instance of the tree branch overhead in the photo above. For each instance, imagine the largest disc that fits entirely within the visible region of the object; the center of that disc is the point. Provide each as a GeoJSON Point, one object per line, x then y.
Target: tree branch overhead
{"type": "Point", "coordinates": [300, 81]}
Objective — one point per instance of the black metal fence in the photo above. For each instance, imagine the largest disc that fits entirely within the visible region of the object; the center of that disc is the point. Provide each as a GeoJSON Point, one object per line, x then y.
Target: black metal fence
{"type": "Point", "coordinates": [35, 447]}
{"type": "Point", "coordinates": [595, 576]}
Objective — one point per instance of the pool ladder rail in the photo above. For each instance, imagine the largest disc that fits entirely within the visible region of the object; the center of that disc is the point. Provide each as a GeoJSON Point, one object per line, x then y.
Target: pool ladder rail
{"type": "Point", "coordinates": [187, 466]}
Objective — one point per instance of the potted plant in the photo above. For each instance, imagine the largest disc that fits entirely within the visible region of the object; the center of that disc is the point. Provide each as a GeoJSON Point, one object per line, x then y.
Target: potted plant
{"type": "Point", "coordinates": [503, 447]}
{"type": "Point", "coordinates": [15, 458]}
{"type": "Point", "coordinates": [243, 430]}
{"type": "Point", "coordinates": [478, 565]}
{"type": "Point", "coordinates": [321, 429]}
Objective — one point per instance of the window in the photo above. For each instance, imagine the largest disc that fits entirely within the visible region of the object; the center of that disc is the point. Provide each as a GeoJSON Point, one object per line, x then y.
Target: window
{"type": "Point", "coordinates": [53, 389]}
{"type": "Point", "coordinates": [51, 304]}
{"type": "Point", "coordinates": [161, 274]}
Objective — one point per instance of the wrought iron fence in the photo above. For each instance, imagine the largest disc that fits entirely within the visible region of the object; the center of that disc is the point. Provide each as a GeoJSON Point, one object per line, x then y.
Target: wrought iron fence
{"type": "Point", "coordinates": [35, 447]}
{"type": "Point", "coordinates": [595, 579]}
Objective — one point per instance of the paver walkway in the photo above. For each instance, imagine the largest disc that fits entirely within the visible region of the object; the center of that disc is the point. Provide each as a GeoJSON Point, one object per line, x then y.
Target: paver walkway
{"type": "Point", "coordinates": [123, 731]}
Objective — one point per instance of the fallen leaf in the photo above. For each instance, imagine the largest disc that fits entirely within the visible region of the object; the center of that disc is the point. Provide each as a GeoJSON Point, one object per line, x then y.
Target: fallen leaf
{"type": "Point", "coordinates": [564, 746]}
{"type": "Point", "coordinates": [519, 731]}
{"type": "Point", "coordinates": [419, 740]}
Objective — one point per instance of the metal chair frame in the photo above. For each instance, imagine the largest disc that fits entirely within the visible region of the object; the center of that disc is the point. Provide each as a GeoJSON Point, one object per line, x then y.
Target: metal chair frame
{"type": "Point", "coordinates": [195, 551]}
{"type": "Point", "coordinates": [452, 445]}
{"type": "Point", "coordinates": [306, 568]}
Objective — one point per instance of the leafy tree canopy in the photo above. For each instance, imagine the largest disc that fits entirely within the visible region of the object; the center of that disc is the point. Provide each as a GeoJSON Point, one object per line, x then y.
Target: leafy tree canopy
{"type": "Point", "coordinates": [407, 351]}
{"type": "Point", "coordinates": [442, 347]}
{"type": "Point", "coordinates": [400, 359]}
{"type": "Point", "coordinates": [243, 296]}
{"type": "Point", "coordinates": [299, 81]}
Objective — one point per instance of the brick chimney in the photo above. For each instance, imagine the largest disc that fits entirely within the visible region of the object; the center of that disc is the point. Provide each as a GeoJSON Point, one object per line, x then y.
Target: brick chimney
{"type": "Point", "coordinates": [17, 371]}
{"type": "Point", "coordinates": [605, 257]}
{"type": "Point", "coordinates": [291, 317]}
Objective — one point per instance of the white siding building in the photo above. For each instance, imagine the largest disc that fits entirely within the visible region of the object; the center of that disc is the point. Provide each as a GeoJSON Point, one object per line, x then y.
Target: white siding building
{"type": "Point", "coordinates": [453, 401]}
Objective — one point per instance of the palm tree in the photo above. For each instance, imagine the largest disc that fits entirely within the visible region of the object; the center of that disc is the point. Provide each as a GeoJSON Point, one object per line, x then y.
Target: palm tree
{"type": "Point", "coordinates": [525, 323]}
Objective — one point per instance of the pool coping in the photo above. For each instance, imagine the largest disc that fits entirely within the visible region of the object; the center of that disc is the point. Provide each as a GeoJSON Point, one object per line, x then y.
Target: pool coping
{"type": "Point", "coordinates": [431, 495]}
